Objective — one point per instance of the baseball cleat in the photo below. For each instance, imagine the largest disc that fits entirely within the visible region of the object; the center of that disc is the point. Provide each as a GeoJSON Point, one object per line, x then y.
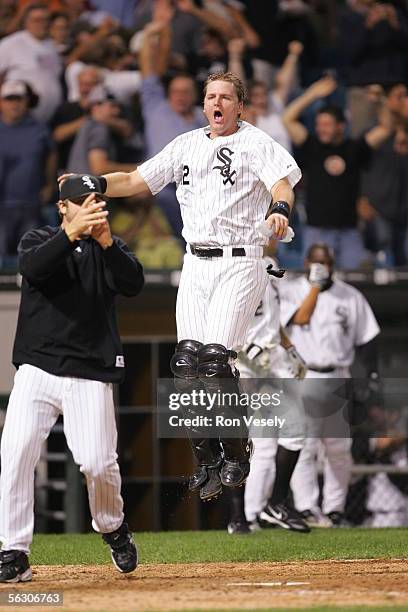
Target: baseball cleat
{"type": "Point", "coordinates": [255, 525]}
{"type": "Point", "coordinates": [14, 566]}
{"type": "Point", "coordinates": [212, 488]}
{"type": "Point", "coordinates": [316, 518]}
{"type": "Point", "coordinates": [238, 528]}
{"type": "Point", "coordinates": [234, 473]}
{"type": "Point", "coordinates": [123, 550]}
{"type": "Point", "coordinates": [198, 478]}
{"type": "Point", "coordinates": [337, 519]}
{"type": "Point", "coordinates": [285, 517]}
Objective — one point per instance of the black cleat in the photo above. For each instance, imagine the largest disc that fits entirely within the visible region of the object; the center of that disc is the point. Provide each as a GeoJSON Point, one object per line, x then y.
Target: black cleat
{"type": "Point", "coordinates": [285, 517]}
{"type": "Point", "coordinates": [234, 473]}
{"type": "Point", "coordinates": [123, 549]}
{"type": "Point", "coordinates": [198, 478]}
{"type": "Point", "coordinates": [238, 528]}
{"type": "Point", "coordinates": [337, 519]}
{"type": "Point", "coordinates": [212, 488]}
{"type": "Point", "coordinates": [14, 566]}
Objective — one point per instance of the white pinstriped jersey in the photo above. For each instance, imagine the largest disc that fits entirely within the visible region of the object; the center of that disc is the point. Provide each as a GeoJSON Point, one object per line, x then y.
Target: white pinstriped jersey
{"type": "Point", "coordinates": [342, 320]}
{"type": "Point", "coordinates": [223, 184]}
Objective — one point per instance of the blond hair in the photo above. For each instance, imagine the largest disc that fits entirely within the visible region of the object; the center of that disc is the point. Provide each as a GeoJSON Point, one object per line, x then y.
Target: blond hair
{"type": "Point", "coordinates": [228, 77]}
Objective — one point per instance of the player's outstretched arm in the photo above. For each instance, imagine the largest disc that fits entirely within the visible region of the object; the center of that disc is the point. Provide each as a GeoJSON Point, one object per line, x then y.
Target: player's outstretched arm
{"type": "Point", "coordinates": [125, 184]}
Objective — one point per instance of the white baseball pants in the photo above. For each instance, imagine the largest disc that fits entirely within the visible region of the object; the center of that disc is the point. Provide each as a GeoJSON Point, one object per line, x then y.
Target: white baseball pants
{"type": "Point", "coordinates": [218, 297]}
{"type": "Point", "coordinates": [36, 401]}
{"type": "Point", "coordinates": [259, 484]}
{"type": "Point", "coordinates": [337, 460]}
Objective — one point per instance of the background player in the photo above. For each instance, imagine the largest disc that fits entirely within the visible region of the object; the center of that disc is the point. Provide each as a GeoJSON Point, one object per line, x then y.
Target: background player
{"type": "Point", "coordinates": [225, 174]}
{"type": "Point", "coordinates": [68, 353]}
{"type": "Point", "coordinates": [327, 319]}
{"type": "Point", "coordinates": [268, 353]}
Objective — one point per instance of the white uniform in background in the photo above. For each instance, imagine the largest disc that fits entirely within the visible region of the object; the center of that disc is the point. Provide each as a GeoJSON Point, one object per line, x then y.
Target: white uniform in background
{"type": "Point", "coordinates": [341, 321]}
{"type": "Point", "coordinates": [224, 190]}
{"type": "Point", "coordinates": [388, 504]}
{"type": "Point", "coordinates": [272, 362]}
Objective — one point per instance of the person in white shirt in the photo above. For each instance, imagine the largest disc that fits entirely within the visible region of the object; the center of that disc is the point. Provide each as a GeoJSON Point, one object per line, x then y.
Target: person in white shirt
{"type": "Point", "coordinates": [326, 320]}
{"type": "Point", "coordinates": [30, 56]}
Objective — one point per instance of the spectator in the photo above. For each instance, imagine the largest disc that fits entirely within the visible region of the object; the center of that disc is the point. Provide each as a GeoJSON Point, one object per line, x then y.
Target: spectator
{"type": "Point", "coordinates": [94, 150]}
{"type": "Point", "coordinates": [165, 116]}
{"type": "Point", "coordinates": [31, 56]}
{"type": "Point", "coordinates": [71, 116]}
{"type": "Point", "coordinates": [27, 165]}
{"type": "Point", "coordinates": [265, 108]}
{"type": "Point", "coordinates": [8, 10]}
{"type": "Point", "coordinates": [386, 180]}
{"type": "Point", "coordinates": [108, 51]}
{"type": "Point", "coordinates": [269, 26]}
{"type": "Point", "coordinates": [216, 56]}
{"type": "Point", "coordinates": [122, 11]}
{"type": "Point", "coordinates": [332, 164]}
{"type": "Point", "coordinates": [60, 32]}
{"type": "Point", "coordinates": [186, 28]}
{"type": "Point", "coordinates": [373, 42]}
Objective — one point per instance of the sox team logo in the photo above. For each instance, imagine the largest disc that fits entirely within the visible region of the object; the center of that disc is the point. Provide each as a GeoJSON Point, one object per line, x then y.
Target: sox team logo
{"type": "Point", "coordinates": [225, 170]}
{"type": "Point", "coordinates": [342, 313]}
{"type": "Point", "coordinates": [88, 181]}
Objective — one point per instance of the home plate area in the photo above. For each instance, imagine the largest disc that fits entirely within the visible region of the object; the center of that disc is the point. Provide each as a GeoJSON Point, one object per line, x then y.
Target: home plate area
{"type": "Point", "coordinates": [181, 586]}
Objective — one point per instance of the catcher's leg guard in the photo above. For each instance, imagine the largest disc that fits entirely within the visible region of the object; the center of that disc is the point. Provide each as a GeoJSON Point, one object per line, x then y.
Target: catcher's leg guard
{"type": "Point", "coordinates": [217, 375]}
{"type": "Point", "coordinates": [207, 452]}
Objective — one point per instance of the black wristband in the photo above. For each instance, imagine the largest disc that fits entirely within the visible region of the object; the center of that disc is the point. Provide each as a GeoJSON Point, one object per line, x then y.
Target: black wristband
{"type": "Point", "coordinates": [280, 207]}
{"type": "Point", "coordinates": [103, 183]}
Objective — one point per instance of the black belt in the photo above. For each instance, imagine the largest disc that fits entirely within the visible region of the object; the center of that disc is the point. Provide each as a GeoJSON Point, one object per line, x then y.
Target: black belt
{"type": "Point", "coordinates": [204, 252]}
{"type": "Point", "coordinates": [325, 370]}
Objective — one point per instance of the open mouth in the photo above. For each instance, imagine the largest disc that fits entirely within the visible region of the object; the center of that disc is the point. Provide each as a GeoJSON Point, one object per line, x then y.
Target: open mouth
{"type": "Point", "coordinates": [218, 117]}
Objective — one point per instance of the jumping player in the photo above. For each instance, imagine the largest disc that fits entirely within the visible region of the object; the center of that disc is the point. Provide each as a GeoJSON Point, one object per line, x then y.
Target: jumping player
{"type": "Point", "coordinates": [68, 354]}
{"type": "Point", "coordinates": [226, 175]}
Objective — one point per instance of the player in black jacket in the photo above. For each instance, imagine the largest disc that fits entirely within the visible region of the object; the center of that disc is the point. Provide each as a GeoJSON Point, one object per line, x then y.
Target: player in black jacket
{"type": "Point", "coordinates": [68, 354]}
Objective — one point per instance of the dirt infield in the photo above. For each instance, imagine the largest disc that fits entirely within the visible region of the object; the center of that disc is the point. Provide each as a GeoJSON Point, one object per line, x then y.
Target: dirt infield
{"type": "Point", "coordinates": [225, 585]}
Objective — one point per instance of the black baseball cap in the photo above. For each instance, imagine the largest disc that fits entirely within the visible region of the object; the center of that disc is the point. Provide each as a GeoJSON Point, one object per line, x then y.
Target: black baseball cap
{"type": "Point", "coordinates": [81, 185]}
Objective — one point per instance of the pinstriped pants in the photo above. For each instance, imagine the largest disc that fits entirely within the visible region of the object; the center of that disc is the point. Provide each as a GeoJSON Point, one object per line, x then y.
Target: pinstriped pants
{"type": "Point", "coordinates": [36, 401]}
{"type": "Point", "coordinates": [218, 297]}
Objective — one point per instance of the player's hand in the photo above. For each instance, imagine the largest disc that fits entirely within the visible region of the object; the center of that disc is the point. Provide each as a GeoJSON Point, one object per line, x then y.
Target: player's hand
{"type": "Point", "coordinates": [89, 215]}
{"type": "Point", "coordinates": [278, 224]}
{"type": "Point", "coordinates": [318, 275]}
{"type": "Point", "coordinates": [61, 179]}
{"type": "Point", "coordinates": [102, 234]}
{"type": "Point", "coordinates": [297, 364]}
{"type": "Point", "coordinates": [256, 356]}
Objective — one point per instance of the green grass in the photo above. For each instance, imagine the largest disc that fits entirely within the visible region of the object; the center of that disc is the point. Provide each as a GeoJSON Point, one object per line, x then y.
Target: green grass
{"type": "Point", "coordinates": [216, 546]}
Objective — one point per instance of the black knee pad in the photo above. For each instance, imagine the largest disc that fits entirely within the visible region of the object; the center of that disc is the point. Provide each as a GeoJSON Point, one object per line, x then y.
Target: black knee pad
{"type": "Point", "coordinates": [213, 362]}
{"type": "Point", "coordinates": [184, 362]}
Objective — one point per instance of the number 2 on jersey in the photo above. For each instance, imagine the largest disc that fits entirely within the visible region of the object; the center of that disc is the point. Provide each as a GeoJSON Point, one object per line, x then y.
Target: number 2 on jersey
{"type": "Point", "coordinates": [186, 172]}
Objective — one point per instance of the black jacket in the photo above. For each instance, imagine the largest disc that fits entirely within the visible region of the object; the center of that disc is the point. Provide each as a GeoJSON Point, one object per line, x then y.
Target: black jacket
{"type": "Point", "coordinates": [67, 324]}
